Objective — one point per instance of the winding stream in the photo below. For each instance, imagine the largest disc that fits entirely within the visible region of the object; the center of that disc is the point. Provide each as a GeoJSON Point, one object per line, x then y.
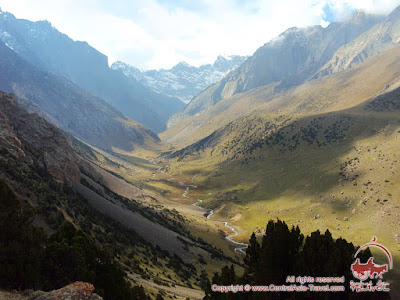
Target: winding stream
{"type": "Point", "coordinates": [185, 193]}
{"type": "Point", "coordinates": [242, 246]}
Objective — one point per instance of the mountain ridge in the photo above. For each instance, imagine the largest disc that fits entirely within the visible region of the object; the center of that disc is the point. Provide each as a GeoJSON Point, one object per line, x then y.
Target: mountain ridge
{"type": "Point", "coordinates": [323, 95]}
{"type": "Point", "coordinates": [19, 128]}
{"type": "Point", "coordinates": [323, 155]}
{"type": "Point", "coordinates": [379, 38]}
{"type": "Point", "coordinates": [69, 107]}
{"type": "Point", "coordinates": [290, 59]}
{"type": "Point", "coordinates": [62, 190]}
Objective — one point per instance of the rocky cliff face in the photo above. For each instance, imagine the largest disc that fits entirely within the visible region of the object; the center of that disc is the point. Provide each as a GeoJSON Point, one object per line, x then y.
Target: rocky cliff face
{"type": "Point", "coordinates": [45, 47]}
{"type": "Point", "coordinates": [32, 139]}
{"type": "Point", "coordinates": [290, 59]}
{"type": "Point", "coordinates": [379, 38]}
{"type": "Point", "coordinates": [183, 81]}
{"type": "Point", "coordinates": [294, 55]}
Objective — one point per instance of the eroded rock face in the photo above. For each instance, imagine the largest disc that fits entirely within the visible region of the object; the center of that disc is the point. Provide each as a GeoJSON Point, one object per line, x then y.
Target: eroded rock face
{"type": "Point", "coordinates": [378, 39]}
{"type": "Point", "coordinates": [29, 136]}
{"type": "Point", "coordinates": [75, 291]}
{"type": "Point", "coordinates": [8, 137]}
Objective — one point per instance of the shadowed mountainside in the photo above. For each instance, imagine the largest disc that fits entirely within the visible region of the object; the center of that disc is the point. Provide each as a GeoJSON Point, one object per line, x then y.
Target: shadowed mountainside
{"type": "Point", "coordinates": [21, 131]}
{"type": "Point", "coordinates": [69, 107]}
{"type": "Point", "coordinates": [39, 165]}
{"type": "Point", "coordinates": [49, 50]}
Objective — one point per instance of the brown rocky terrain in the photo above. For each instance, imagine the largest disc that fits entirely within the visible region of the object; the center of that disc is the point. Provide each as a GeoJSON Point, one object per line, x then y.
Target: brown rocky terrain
{"type": "Point", "coordinates": [74, 291]}
{"type": "Point", "coordinates": [39, 144]}
{"type": "Point", "coordinates": [31, 138]}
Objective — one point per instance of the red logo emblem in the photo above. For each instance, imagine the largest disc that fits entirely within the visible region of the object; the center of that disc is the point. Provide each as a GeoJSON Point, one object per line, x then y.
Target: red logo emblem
{"type": "Point", "coordinates": [370, 270]}
{"type": "Point", "coordinates": [365, 271]}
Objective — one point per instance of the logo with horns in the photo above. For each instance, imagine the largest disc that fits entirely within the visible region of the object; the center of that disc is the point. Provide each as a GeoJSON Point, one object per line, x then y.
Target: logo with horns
{"type": "Point", "coordinates": [370, 269]}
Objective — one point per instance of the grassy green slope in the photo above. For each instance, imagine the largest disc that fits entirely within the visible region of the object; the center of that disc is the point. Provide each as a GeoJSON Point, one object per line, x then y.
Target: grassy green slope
{"type": "Point", "coordinates": [323, 156]}
{"type": "Point", "coordinates": [337, 171]}
{"type": "Point", "coordinates": [331, 93]}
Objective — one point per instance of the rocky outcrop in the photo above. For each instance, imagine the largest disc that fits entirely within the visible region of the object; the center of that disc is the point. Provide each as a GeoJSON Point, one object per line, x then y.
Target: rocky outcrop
{"type": "Point", "coordinates": [32, 139]}
{"type": "Point", "coordinates": [378, 39]}
{"type": "Point", "coordinates": [75, 291]}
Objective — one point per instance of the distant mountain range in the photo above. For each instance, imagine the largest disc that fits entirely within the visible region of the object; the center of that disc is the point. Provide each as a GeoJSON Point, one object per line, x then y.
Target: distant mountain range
{"type": "Point", "coordinates": [49, 50]}
{"type": "Point", "coordinates": [183, 81]}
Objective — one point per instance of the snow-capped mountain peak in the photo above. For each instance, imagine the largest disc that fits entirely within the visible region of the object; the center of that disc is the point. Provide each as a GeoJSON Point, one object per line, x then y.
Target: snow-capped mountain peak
{"type": "Point", "coordinates": [183, 81]}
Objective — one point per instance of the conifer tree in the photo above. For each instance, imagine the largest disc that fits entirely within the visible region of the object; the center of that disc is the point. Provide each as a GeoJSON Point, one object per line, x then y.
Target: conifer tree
{"type": "Point", "coordinates": [279, 251]}
{"type": "Point", "coordinates": [252, 259]}
{"type": "Point", "coordinates": [284, 252]}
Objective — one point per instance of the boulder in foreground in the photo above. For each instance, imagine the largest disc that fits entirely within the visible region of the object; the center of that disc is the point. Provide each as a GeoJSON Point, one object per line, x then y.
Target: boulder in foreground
{"type": "Point", "coordinates": [75, 291]}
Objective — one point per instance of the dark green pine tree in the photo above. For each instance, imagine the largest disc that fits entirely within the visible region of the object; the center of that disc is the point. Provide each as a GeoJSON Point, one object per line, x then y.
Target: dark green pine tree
{"type": "Point", "coordinates": [159, 296]}
{"type": "Point", "coordinates": [227, 278]}
{"type": "Point", "coordinates": [20, 243]}
{"type": "Point", "coordinates": [206, 287]}
{"type": "Point", "coordinates": [71, 255]}
{"type": "Point", "coordinates": [320, 256]}
{"type": "Point", "coordinates": [282, 253]}
{"type": "Point", "coordinates": [252, 260]}
{"type": "Point", "coordinates": [280, 249]}
{"type": "Point", "coordinates": [228, 275]}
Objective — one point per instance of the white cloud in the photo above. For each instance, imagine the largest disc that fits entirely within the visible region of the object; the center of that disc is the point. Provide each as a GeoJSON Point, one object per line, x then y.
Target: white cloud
{"type": "Point", "coordinates": [149, 34]}
{"type": "Point", "coordinates": [342, 8]}
{"type": "Point", "coordinates": [374, 6]}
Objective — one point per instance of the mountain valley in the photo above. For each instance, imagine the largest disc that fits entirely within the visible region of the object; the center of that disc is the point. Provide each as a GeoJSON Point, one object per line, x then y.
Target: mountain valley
{"type": "Point", "coordinates": [109, 162]}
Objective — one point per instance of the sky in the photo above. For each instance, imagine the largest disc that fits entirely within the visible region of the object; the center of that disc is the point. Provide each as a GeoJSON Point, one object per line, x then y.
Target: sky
{"type": "Point", "coordinates": [154, 34]}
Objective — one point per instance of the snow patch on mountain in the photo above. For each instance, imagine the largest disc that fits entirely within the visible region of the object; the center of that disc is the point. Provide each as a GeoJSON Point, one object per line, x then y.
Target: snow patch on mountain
{"type": "Point", "coordinates": [8, 40]}
{"type": "Point", "coordinates": [183, 81]}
